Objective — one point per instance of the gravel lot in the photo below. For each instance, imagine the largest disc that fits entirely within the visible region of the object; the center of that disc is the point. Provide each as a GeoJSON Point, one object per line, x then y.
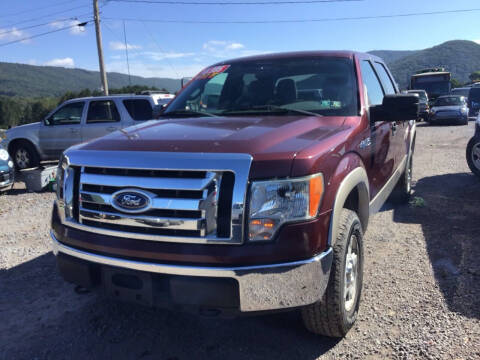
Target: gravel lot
{"type": "Point", "coordinates": [421, 298]}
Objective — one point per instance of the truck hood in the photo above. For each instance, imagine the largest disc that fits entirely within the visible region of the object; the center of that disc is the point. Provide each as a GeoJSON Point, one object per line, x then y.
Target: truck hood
{"type": "Point", "coordinates": [269, 139]}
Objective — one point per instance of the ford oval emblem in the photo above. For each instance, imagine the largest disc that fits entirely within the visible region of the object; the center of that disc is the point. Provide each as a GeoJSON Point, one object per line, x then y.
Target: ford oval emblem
{"type": "Point", "coordinates": [131, 201]}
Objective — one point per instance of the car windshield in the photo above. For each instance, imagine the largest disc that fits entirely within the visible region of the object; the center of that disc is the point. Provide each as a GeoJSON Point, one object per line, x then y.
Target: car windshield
{"type": "Point", "coordinates": [434, 88]}
{"type": "Point", "coordinates": [461, 92]}
{"type": "Point", "coordinates": [321, 85]}
{"type": "Point", "coordinates": [450, 101]}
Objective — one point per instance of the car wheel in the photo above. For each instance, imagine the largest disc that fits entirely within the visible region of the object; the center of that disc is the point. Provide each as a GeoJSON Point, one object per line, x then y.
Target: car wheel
{"type": "Point", "coordinates": [473, 155]}
{"type": "Point", "coordinates": [336, 312]}
{"type": "Point", "coordinates": [25, 156]}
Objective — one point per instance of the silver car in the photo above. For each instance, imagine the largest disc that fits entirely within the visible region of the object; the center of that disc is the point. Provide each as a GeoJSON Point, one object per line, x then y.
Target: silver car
{"type": "Point", "coordinates": [449, 108]}
{"type": "Point", "coordinates": [75, 121]}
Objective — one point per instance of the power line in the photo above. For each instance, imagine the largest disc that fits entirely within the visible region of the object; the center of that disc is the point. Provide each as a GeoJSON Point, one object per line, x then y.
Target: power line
{"type": "Point", "coordinates": [35, 9]}
{"type": "Point", "coordinates": [286, 2]}
{"type": "Point", "coordinates": [14, 29]}
{"type": "Point", "coordinates": [296, 20]}
{"type": "Point", "coordinates": [45, 33]}
{"type": "Point", "coordinates": [47, 15]}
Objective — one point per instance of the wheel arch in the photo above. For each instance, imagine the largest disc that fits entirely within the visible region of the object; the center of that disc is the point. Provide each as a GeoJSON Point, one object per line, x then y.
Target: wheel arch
{"type": "Point", "coordinates": [353, 193]}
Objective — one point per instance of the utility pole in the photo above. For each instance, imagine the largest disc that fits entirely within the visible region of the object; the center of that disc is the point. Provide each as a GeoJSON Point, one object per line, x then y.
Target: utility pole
{"type": "Point", "coordinates": [103, 74]}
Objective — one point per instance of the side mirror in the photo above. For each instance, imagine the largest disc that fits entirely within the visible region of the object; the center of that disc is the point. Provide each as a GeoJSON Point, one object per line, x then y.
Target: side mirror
{"type": "Point", "coordinates": [185, 81]}
{"type": "Point", "coordinates": [158, 110]}
{"type": "Point", "coordinates": [398, 107]}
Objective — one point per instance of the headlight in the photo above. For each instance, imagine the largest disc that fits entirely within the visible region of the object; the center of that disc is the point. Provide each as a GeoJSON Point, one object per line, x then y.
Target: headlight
{"type": "Point", "coordinates": [62, 167]}
{"type": "Point", "coordinates": [4, 155]}
{"type": "Point", "coordinates": [463, 110]}
{"type": "Point", "coordinates": [273, 203]}
{"type": "Point", "coordinates": [10, 163]}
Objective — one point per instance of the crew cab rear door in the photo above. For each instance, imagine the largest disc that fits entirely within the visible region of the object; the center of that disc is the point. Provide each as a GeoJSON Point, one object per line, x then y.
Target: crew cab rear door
{"type": "Point", "coordinates": [398, 128]}
{"type": "Point", "coordinates": [102, 118]}
{"type": "Point", "coordinates": [382, 159]}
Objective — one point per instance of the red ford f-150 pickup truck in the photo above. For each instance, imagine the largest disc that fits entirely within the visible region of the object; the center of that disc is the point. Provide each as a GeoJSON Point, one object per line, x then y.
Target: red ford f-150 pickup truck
{"type": "Point", "coordinates": [251, 193]}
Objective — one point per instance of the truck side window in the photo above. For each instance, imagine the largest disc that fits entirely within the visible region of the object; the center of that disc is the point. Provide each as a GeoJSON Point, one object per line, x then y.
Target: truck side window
{"type": "Point", "coordinates": [102, 111]}
{"type": "Point", "coordinates": [385, 78]}
{"type": "Point", "coordinates": [370, 80]}
{"type": "Point", "coordinates": [139, 109]}
{"type": "Point", "coordinates": [67, 115]}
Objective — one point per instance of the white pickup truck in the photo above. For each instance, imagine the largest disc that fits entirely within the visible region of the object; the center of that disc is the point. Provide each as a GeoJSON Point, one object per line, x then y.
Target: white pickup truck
{"type": "Point", "coordinates": [76, 121]}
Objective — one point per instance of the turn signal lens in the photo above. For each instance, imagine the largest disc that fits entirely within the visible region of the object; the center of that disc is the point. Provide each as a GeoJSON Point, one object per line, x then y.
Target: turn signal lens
{"type": "Point", "coordinates": [316, 193]}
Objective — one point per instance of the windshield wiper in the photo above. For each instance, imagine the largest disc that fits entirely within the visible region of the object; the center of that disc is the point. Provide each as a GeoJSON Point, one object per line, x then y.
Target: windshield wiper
{"type": "Point", "coordinates": [270, 108]}
{"type": "Point", "coordinates": [187, 113]}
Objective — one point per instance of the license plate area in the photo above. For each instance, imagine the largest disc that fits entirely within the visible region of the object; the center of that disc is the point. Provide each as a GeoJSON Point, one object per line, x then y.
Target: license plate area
{"type": "Point", "coordinates": [130, 286]}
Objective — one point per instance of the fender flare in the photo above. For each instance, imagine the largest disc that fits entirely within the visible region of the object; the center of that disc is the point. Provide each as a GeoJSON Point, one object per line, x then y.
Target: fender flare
{"type": "Point", "coordinates": [23, 139]}
{"type": "Point", "coordinates": [357, 178]}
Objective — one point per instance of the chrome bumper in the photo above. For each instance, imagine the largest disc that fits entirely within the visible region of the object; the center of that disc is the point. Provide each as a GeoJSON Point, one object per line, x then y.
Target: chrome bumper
{"type": "Point", "coordinates": [261, 287]}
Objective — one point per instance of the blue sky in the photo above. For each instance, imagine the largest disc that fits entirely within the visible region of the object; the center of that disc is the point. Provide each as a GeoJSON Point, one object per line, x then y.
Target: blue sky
{"type": "Point", "coordinates": [176, 50]}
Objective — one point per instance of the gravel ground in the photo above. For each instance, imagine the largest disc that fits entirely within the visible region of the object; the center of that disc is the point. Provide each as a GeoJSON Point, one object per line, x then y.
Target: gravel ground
{"type": "Point", "coordinates": [421, 296]}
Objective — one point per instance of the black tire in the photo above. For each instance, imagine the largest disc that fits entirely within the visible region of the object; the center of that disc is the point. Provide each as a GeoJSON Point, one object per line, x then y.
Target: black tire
{"type": "Point", "coordinates": [24, 155]}
{"type": "Point", "coordinates": [473, 158]}
{"type": "Point", "coordinates": [330, 316]}
{"type": "Point", "coordinates": [403, 190]}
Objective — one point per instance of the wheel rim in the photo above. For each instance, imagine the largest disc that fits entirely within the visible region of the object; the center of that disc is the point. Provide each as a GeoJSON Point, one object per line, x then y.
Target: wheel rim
{"type": "Point", "coordinates": [476, 155]}
{"type": "Point", "coordinates": [351, 273]}
{"type": "Point", "coordinates": [22, 158]}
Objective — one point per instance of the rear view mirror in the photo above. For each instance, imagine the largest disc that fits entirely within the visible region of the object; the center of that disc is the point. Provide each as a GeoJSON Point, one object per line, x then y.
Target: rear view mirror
{"type": "Point", "coordinates": [398, 107]}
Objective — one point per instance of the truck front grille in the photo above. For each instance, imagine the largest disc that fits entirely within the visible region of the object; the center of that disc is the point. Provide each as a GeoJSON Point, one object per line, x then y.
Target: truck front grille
{"type": "Point", "coordinates": [154, 196]}
{"type": "Point", "coordinates": [183, 203]}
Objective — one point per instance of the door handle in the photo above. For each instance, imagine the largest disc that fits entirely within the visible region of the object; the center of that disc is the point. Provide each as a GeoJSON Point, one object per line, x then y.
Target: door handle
{"type": "Point", "coordinates": [112, 128]}
{"type": "Point", "coordinates": [394, 128]}
{"type": "Point", "coordinates": [74, 131]}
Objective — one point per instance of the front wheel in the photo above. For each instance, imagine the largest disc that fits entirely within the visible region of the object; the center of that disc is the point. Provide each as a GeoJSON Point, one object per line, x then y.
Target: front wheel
{"type": "Point", "coordinates": [25, 156]}
{"type": "Point", "coordinates": [335, 314]}
{"type": "Point", "coordinates": [473, 155]}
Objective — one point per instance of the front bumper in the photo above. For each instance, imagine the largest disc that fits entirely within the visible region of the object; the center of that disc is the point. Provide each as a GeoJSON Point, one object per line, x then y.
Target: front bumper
{"type": "Point", "coordinates": [7, 178]}
{"type": "Point", "coordinates": [260, 287]}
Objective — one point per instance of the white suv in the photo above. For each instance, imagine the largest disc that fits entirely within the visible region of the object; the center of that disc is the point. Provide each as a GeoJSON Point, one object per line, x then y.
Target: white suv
{"type": "Point", "coordinates": [73, 122]}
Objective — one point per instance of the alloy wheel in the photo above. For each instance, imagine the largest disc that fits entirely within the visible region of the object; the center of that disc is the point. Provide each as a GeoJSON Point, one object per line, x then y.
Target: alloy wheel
{"type": "Point", "coordinates": [351, 274]}
{"type": "Point", "coordinates": [22, 158]}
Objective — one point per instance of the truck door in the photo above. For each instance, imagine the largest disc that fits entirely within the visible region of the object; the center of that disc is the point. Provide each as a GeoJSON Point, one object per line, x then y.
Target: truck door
{"type": "Point", "coordinates": [382, 159]}
{"type": "Point", "coordinates": [62, 129]}
{"type": "Point", "coordinates": [400, 128]}
{"type": "Point", "coordinates": [102, 119]}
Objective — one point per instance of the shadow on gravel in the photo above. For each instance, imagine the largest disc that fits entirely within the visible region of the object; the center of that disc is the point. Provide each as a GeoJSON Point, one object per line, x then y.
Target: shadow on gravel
{"type": "Point", "coordinates": [450, 219]}
{"type": "Point", "coordinates": [43, 318]}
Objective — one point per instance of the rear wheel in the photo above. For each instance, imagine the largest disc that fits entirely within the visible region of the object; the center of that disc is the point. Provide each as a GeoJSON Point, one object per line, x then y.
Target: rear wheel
{"type": "Point", "coordinates": [335, 314]}
{"type": "Point", "coordinates": [24, 155]}
{"type": "Point", "coordinates": [473, 155]}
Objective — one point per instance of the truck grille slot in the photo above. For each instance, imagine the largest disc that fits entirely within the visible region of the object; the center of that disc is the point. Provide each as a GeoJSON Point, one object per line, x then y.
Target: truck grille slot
{"type": "Point", "coordinates": [193, 205]}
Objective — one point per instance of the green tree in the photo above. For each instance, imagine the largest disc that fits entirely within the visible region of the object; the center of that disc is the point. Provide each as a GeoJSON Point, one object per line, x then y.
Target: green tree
{"type": "Point", "coordinates": [475, 76]}
{"type": "Point", "coordinates": [455, 83]}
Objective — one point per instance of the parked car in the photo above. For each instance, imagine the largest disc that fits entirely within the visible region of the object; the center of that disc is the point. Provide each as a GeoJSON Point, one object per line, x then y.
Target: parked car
{"type": "Point", "coordinates": [7, 171]}
{"type": "Point", "coordinates": [473, 100]}
{"type": "Point", "coordinates": [75, 121]}
{"type": "Point", "coordinates": [449, 108]}
{"type": "Point", "coordinates": [473, 150]}
{"type": "Point", "coordinates": [250, 197]}
{"type": "Point", "coordinates": [423, 107]}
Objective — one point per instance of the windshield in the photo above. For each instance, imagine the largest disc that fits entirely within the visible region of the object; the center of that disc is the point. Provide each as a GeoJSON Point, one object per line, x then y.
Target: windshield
{"type": "Point", "coordinates": [450, 101]}
{"type": "Point", "coordinates": [321, 85]}
{"type": "Point", "coordinates": [435, 88]}
{"type": "Point", "coordinates": [461, 92]}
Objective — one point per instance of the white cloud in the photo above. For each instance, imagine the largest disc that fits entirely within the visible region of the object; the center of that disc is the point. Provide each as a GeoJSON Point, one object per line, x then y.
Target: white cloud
{"type": "Point", "coordinates": [74, 30]}
{"type": "Point", "coordinates": [477, 41]}
{"type": "Point", "coordinates": [140, 68]}
{"type": "Point", "coordinates": [118, 45]}
{"type": "Point", "coordinates": [234, 46]}
{"type": "Point", "coordinates": [63, 62]}
{"type": "Point", "coordinates": [11, 34]}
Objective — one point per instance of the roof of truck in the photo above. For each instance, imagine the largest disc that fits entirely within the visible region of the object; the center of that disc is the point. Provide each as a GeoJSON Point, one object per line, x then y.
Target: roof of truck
{"type": "Point", "coordinates": [301, 54]}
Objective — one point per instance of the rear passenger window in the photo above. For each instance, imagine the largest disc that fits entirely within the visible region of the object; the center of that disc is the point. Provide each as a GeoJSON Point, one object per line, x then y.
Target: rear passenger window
{"type": "Point", "coordinates": [370, 80]}
{"type": "Point", "coordinates": [139, 109]}
{"type": "Point", "coordinates": [102, 111]}
{"type": "Point", "coordinates": [385, 78]}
